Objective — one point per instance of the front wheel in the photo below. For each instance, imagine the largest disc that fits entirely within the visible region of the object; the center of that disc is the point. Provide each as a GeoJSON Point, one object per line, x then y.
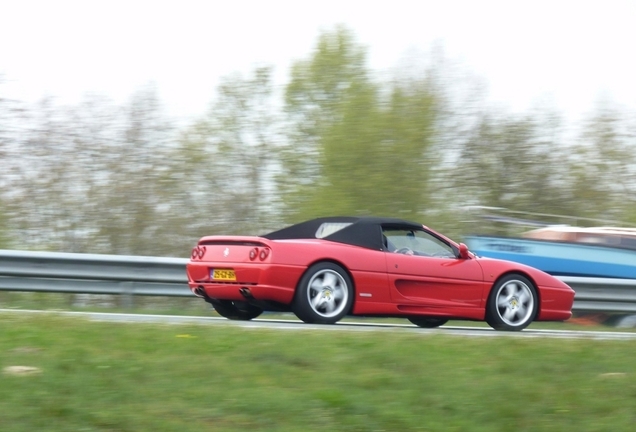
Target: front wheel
{"type": "Point", "coordinates": [324, 294]}
{"type": "Point", "coordinates": [428, 322]}
{"type": "Point", "coordinates": [235, 310]}
{"type": "Point", "coordinates": [512, 304]}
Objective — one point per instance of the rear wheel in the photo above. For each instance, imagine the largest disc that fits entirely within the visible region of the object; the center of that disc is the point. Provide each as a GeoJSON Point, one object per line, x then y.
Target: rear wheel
{"type": "Point", "coordinates": [324, 294]}
{"type": "Point", "coordinates": [512, 304]}
{"type": "Point", "coordinates": [235, 310]}
{"type": "Point", "coordinates": [428, 322]}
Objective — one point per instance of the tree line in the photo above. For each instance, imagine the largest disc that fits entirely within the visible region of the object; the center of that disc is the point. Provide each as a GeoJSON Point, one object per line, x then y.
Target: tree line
{"type": "Point", "coordinates": [420, 144]}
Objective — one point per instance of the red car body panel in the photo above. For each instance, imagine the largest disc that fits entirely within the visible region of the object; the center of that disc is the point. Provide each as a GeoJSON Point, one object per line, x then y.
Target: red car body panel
{"type": "Point", "coordinates": [555, 297]}
{"type": "Point", "coordinates": [384, 283]}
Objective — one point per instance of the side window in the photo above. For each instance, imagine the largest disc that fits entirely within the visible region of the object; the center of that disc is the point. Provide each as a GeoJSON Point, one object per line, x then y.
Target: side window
{"type": "Point", "coordinates": [416, 242]}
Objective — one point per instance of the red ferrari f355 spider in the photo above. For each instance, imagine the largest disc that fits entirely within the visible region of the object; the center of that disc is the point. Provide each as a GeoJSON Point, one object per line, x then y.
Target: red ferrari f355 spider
{"type": "Point", "coordinates": [326, 268]}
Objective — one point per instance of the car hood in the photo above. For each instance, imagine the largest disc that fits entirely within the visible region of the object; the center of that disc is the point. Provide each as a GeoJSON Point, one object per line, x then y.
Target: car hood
{"type": "Point", "coordinates": [494, 268]}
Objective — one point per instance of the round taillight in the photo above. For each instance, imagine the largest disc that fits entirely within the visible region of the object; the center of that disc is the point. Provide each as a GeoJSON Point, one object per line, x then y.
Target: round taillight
{"type": "Point", "coordinates": [264, 254]}
{"type": "Point", "coordinates": [253, 254]}
{"type": "Point", "coordinates": [198, 252]}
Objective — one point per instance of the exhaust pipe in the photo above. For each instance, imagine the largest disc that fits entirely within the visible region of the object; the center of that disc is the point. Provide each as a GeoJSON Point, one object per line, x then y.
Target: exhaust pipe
{"type": "Point", "coordinates": [245, 292]}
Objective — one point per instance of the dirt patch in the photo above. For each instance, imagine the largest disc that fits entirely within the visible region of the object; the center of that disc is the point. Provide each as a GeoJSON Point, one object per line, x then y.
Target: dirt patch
{"type": "Point", "coordinates": [21, 370]}
{"type": "Point", "coordinates": [26, 350]}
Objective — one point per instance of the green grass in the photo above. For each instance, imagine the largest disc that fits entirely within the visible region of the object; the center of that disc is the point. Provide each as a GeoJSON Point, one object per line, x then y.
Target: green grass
{"type": "Point", "coordinates": [132, 377]}
{"type": "Point", "coordinates": [103, 303]}
{"type": "Point", "coordinates": [193, 306]}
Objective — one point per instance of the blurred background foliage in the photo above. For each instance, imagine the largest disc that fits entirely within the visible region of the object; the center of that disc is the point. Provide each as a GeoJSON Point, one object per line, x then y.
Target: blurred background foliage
{"type": "Point", "coordinates": [338, 139]}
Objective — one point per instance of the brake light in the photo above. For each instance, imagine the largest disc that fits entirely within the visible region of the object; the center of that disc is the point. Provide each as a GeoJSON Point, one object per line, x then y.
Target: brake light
{"type": "Point", "coordinates": [253, 254]}
{"type": "Point", "coordinates": [198, 252]}
{"type": "Point", "coordinates": [264, 253]}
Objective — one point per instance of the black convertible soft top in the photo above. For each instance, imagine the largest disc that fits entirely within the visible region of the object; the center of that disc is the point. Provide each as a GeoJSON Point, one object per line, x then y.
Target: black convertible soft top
{"type": "Point", "coordinates": [363, 231]}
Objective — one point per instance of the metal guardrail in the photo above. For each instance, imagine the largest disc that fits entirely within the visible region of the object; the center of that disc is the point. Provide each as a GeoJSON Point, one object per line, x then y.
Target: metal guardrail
{"type": "Point", "coordinates": [602, 294]}
{"type": "Point", "coordinates": [93, 274]}
{"type": "Point", "coordinates": [152, 276]}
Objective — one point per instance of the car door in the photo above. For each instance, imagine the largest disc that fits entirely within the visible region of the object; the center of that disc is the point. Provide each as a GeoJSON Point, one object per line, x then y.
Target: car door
{"type": "Point", "coordinates": [425, 273]}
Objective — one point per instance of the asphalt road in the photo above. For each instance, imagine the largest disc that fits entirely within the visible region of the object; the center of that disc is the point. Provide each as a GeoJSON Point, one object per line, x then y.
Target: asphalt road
{"type": "Point", "coordinates": [294, 325]}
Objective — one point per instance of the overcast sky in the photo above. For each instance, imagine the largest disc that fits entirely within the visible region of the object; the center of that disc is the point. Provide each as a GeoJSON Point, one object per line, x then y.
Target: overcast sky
{"type": "Point", "coordinates": [572, 53]}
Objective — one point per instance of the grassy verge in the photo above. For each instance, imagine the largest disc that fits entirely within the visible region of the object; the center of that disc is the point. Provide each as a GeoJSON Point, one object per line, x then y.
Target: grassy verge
{"type": "Point", "coordinates": [103, 303]}
{"type": "Point", "coordinates": [193, 306]}
{"type": "Point", "coordinates": [124, 377]}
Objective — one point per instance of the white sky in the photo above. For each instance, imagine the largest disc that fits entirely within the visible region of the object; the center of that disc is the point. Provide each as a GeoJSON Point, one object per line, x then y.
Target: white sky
{"type": "Point", "coordinates": [572, 53]}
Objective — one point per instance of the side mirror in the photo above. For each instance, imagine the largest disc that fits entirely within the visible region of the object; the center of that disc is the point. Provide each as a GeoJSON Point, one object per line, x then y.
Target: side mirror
{"type": "Point", "coordinates": [463, 251]}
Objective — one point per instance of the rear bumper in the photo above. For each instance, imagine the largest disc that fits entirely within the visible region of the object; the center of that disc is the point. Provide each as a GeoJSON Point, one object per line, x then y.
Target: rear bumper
{"type": "Point", "coordinates": [236, 292]}
{"type": "Point", "coordinates": [264, 282]}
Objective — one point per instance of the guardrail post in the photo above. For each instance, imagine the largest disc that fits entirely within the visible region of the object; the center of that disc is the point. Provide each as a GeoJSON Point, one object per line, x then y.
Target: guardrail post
{"type": "Point", "coordinates": [127, 295]}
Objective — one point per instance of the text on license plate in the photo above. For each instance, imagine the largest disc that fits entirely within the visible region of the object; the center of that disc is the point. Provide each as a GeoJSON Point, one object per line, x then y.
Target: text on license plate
{"type": "Point", "coordinates": [222, 274]}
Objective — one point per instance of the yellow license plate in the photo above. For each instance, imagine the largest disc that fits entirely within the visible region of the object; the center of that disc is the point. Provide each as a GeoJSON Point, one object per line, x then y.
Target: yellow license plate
{"type": "Point", "coordinates": [223, 275]}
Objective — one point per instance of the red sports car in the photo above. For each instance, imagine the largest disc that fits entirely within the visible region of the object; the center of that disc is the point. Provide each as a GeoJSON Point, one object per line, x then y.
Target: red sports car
{"type": "Point", "coordinates": [326, 268]}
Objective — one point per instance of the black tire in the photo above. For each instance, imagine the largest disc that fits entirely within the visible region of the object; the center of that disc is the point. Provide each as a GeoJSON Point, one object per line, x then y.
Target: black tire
{"type": "Point", "coordinates": [324, 294]}
{"type": "Point", "coordinates": [235, 310]}
{"type": "Point", "coordinates": [428, 322]}
{"type": "Point", "coordinates": [512, 304]}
